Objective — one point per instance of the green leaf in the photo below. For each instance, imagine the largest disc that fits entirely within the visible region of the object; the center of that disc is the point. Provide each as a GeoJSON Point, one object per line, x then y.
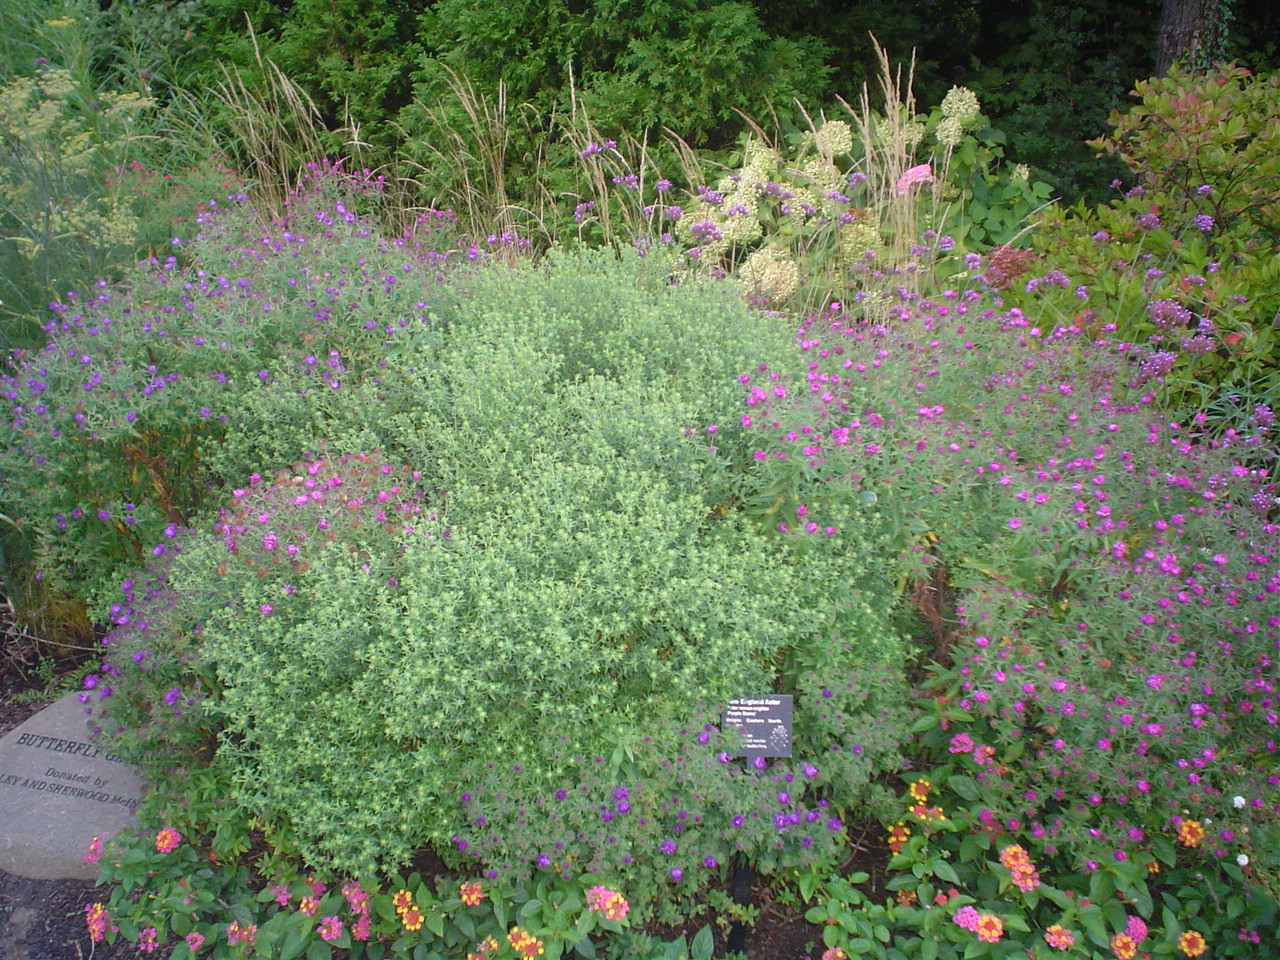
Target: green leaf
{"type": "Point", "coordinates": [973, 846]}
{"type": "Point", "coordinates": [1101, 887]}
{"type": "Point", "coordinates": [1097, 931]}
{"type": "Point", "coordinates": [319, 950]}
{"type": "Point", "coordinates": [293, 944]}
{"type": "Point", "coordinates": [703, 945]}
{"type": "Point", "coordinates": [1055, 896]}
{"type": "Point", "coordinates": [807, 884]}
{"type": "Point", "coordinates": [926, 722]}
{"type": "Point", "coordinates": [945, 871]}
{"type": "Point", "coordinates": [965, 787]}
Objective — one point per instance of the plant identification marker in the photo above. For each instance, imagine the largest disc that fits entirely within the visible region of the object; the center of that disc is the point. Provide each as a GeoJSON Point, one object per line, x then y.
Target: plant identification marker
{"type": "Point", "coordinates": [764, 723]}
{"type": "Point", "coordinates": [58, 791]}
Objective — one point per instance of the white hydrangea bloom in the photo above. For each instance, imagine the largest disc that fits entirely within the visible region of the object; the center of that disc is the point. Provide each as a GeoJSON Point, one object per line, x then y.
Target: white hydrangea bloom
{"type": "Point", "coordinates": [834, 138]}
{"type": "Point", "coordinates": [857, 238]}
{"type": "Point", "coordinates": [759, 166]}
{"type": "Point", "coordinates": [950, 132]}
{"type": "Point", "coordinates": [740, 228]}
{"type": "Point", "coordinates": [821, 176]}
{"type": "Point", "coordinates": [1021, 172]}
{"type": "Point", "coordinates": [805, 200]}
{"type": "Point", "coordinates": [771, 270]}
{"type": "Point", "coordinates": [961, 104]}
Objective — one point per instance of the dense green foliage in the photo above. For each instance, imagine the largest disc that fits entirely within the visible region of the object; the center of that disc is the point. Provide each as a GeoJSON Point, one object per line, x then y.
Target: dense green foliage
{"type": "Point", "coordinates": [1183, 264]}
{"type": "Point", "coordinates": [416, 538]}
{"type": "Point", "coordinates": [571, 561]}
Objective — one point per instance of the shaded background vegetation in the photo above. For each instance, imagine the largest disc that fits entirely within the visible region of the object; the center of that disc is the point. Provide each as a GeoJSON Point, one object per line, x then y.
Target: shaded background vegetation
{"type": "Point", "coordinates": [1048, 72]}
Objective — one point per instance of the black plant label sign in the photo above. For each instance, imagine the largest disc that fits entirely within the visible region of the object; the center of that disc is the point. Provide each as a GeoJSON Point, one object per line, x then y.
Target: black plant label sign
{"type": "Point", "coordinates": [764, 723]}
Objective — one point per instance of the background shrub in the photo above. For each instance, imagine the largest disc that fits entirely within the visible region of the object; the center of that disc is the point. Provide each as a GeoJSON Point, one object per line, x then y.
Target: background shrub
{"type": "Point", "coordinates": [1182, 265]}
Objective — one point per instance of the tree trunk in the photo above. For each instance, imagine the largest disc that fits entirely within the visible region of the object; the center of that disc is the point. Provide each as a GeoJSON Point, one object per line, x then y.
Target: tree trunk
{"type": "Point", "coordinates": [1191, 34]}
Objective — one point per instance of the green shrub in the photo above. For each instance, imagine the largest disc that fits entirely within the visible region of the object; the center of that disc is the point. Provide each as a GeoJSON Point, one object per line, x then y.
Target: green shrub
{"type": "Point", "coordinates": [1183, 265]}
{"type": "Point", "coordinates": [571, 428]}
{"type": "Point", "coordinates": [144, 397]}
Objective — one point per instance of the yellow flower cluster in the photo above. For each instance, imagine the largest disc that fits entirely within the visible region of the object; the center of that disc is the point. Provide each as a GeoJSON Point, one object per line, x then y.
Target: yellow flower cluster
{"type": "Point", "coordinates": [1190, 833]}
{"type": "Point", "coordinates": [608, 902]}
{"type": "Point", "coordinates": [410, 916]}
{"type": "Point", "coordinates": [898, 835]}
{"type": "Point", "coordinates": [1192, 943]}
{"type": "Point", "coordinates": [1016, 860]}
{"type": "Point", "coordinates": [524, 943]}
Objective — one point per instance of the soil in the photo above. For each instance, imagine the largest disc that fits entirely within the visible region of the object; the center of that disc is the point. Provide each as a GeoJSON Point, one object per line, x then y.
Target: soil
{"type": "Point", "coordinates": [44, 919]}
